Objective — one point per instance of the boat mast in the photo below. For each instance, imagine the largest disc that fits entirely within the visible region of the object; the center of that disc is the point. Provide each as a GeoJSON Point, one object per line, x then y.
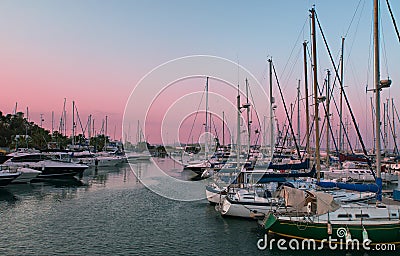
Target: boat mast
{"type": "Point", "coordinates": [248, 115]}
{"type": "Point", "coordinates": [206, 125]}
{"type": "Point", "coordinates": [328, 125]}
{"type": "Point", "coordinates": [341, 101]}
{"type": "Point", "coordinates": [298, 113]}
{"type": "Point", "coordinates": [377, 100]}
{"type": "Point", "coordinates": [73, 123]}
{"type": "Point", "coordinates": [306, 97]}
{"type": "Point", "coordinates": [396, 150]}
{"type": "Point", "coordinates": [238, 130]}
{"type": "Point", "coordinates": [65, 118]}
{"type": "Point", "coordinates": [223, 129]}
{"type": "Point", "coordinates": [316, 116]}
{"type": "Point", "coordinates": [271, 111]}
{"type": "Point", "coordinates": [52, 122]}
{"type": "Point", "coordinates": [105, 136]}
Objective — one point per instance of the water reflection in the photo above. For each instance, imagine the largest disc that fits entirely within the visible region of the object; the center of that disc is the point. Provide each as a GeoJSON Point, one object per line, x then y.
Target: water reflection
{"type": "Point", "coordinates": [7, 197]}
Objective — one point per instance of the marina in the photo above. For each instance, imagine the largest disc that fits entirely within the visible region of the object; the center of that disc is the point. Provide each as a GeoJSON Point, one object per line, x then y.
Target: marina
{"type": "Point", "coordinates": [202, 154]}
{"type": "Point", "coordinates": [110, 212]}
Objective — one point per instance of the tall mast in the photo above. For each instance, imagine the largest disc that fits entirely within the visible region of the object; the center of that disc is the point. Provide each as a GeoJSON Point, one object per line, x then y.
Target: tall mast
{"type": "Point", "coordinates": [396, 150]}
{"type": "Point", "coordinates": [65, 118]}
{"type": "Point", "coordinates": [223, 128]}
{"type": "Point", "coordinates": [271, 111]}
{"type": "Point", "coordinates": [248, 115]}
{"type": "Point", "coordinates": [306, 98]}
{"type": "Point", "coordinates": [316, 114]}
{"type": "Point", "coordinates": [52, 123]}
{"type": "Point", "coordinates": [328, 90]}
{"type": "Point", "coordinates": [73, 123]}
{"type": "Point", "coordinates": [90, 126]}
{"type": "Point", "coordinates": [377, 99]}
{"type": "Point", "coordinates": [341, 100]}
{"type": "Point", "coordinates": [238, 130]}
{"type": "Point", "coordinates": [384, 128]}
{"type": "Point", "coordinates": [298, 113]}
{"type": "Point", "coordinates": [105, 135]}
{"type": "Point", "coordinates": [206, 125]}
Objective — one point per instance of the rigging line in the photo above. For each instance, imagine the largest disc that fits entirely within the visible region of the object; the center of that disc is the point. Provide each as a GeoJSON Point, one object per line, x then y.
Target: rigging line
{"type": "Point", "coordinates": [254, 107]}
{"type": "Point", "coordinates": [352, 19]}
{"type": "Point", "coordinates": [393, 20]}
{"type": "Point", "coordinates": [195, 117]}
{"type": "Point", "coordinates": [370, 53]}
{"type": "Point", "coordinates": [382, 131]}
{"type": "Point", "coordinates": [80, 122]}
{"type": "Point", "coordinates": [355, 33]}
{"type": "Point", "coordinates": [346, 100]}
{"type": "Point", "coordinates": [287, 114]}
{"type": "Point", "coordinates": [292, 69]}
{"type": "Point", "coordinates": [337, 109]}
{"type": "Point", "coordinates": [384, 49]}
{"type": "Point", "coordinates": [392, 132]}
{"type": "Point", "coordinates": [330, 127]}
{"type": "Point", "coordinates": [294, 46]}
{"type": "Point", "coordinates": [215, 127]}
{"type": "Point", "coordinates": [345, 133]}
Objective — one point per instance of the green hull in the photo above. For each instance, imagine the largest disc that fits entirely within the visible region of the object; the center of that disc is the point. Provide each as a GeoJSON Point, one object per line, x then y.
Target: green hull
{"type": "Point", "coordinates": [386, 233]}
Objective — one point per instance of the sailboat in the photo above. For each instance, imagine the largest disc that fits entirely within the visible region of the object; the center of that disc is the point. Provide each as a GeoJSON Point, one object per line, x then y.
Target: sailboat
{"type": "Point", "coordinates": [317, 216]}
{"type": "Point", "coordinates": [320, 217]}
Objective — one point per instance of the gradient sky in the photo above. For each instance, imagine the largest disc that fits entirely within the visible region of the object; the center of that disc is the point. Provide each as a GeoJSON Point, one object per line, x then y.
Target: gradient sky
{"type": "Point", "coordinates": [95, 52]}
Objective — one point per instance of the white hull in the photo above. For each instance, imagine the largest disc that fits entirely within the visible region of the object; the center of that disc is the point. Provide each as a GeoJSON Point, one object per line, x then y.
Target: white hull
{"type": "Point", "coordinates": [109, 161]}
{"type": "Point", "coordinates": [213, 196]}
{"type": "Point", "coordinates": [242, 210]}
{"type": "Point", "coordinates": [101, 161]}
{"type": "Point", "coordinates": [27, 175]}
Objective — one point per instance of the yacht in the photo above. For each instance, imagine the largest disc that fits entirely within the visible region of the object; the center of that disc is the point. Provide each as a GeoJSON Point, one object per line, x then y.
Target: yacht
{"type": "Point", "coordinates": [6, 177]}
{"type": "Point", "coordinates": [49, 168]}
{"type": "Point", "coordinates": [26, 174]}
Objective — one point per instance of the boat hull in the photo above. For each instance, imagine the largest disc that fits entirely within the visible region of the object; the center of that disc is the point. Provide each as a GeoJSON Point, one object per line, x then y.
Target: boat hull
{"type": "Point", "coordinates": [378, 233]}
{"type": "Point", "coordinates": [27, 175]}
{"type": "Point", "coordinates": [244, 209]}
{"type": "Point", "coordinates": [214, 195]}
{"type": "Point", "coordinates": [7, 178]}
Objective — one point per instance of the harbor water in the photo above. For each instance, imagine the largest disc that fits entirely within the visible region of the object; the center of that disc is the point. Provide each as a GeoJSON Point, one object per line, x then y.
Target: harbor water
{"type": "Point", "coordinates": [110, 212]}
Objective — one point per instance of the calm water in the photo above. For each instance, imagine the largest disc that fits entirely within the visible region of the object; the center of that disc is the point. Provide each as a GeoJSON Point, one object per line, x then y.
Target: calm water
{"type": "Point", "coordinates": [112, 213]}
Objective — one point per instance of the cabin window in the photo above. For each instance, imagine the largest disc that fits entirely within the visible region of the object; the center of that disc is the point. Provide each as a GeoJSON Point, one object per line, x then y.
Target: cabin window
{"type": "Point", "coordinates": [347, 215]}
{"type": "Point", "coordinates": [394, 214]}
{"type": "Point", "coordinates": [362, 215]}
{"type": "Point", "coordinates": [355, 171]}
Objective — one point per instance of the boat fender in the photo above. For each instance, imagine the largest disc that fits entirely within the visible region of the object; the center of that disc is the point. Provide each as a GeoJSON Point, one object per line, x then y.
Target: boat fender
{"type": "Point", "coordinates": [329, 228]}
{"type": "Point", "coordinates": [309, 208]}
{"type": "Point", "coordinates": [348, 235]}
{"type": "Point", "coordinates": [364, 234]}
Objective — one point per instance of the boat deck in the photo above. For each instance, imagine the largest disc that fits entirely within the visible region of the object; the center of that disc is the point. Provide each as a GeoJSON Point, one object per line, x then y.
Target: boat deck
{"type": "Point", "coordinates": [390, 201]}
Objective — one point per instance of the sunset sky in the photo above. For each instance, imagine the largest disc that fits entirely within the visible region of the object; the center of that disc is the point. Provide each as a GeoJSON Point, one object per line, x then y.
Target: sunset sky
{"type": "Point", "coordinates": [95, 53]}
